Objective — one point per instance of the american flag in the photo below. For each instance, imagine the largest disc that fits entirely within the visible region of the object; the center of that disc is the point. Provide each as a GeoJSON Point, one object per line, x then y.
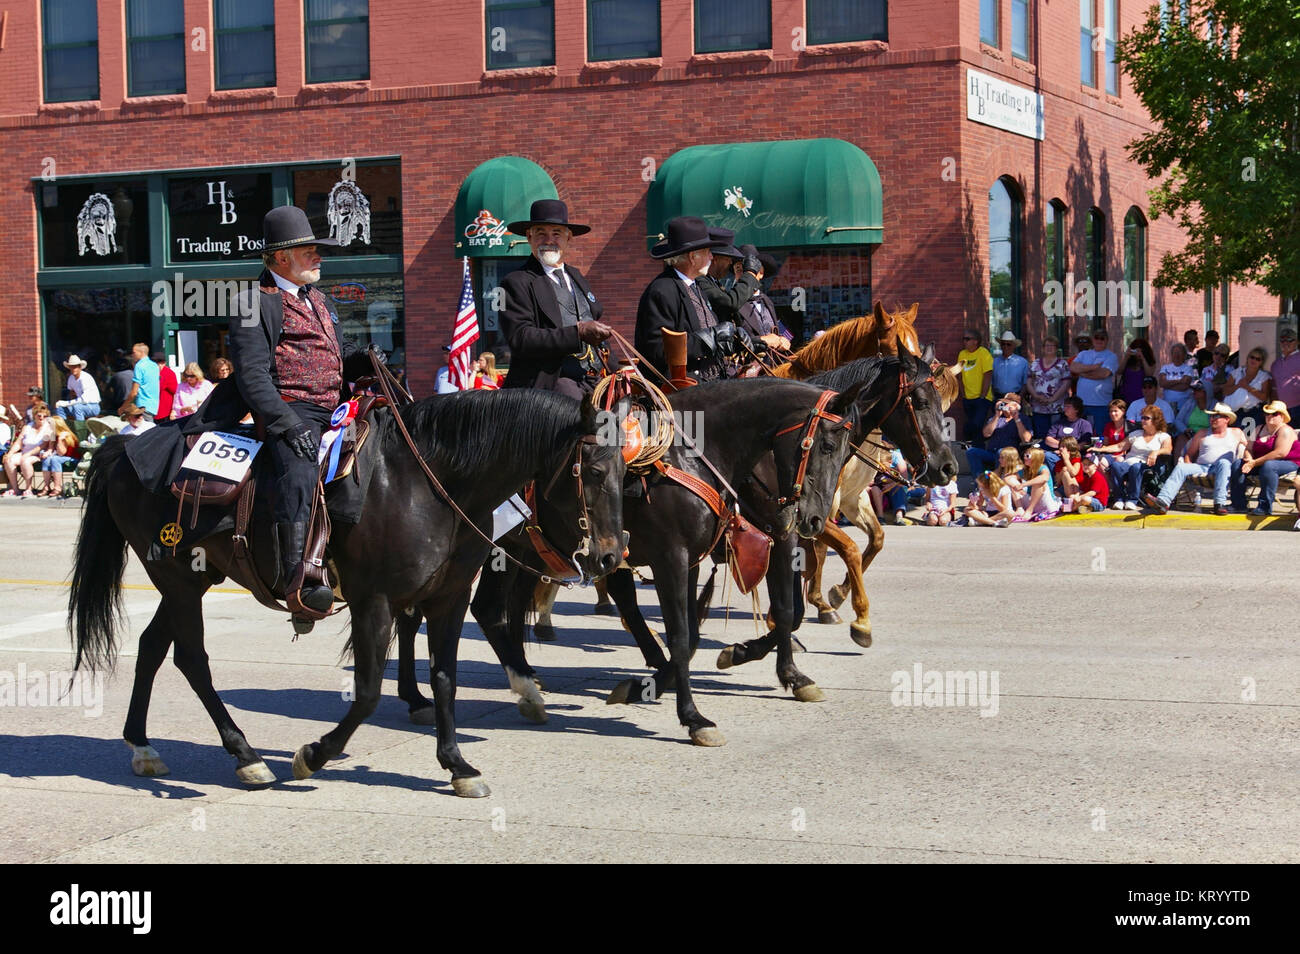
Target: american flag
{"type": "Point", "coordinates": [463, 336]}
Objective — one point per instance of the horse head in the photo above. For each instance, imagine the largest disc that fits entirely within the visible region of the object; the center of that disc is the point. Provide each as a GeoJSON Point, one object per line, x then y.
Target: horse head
{"type": "Point", "coordinates": [809, 456]}
{"type": "Point", "coordinates": [915, 423]}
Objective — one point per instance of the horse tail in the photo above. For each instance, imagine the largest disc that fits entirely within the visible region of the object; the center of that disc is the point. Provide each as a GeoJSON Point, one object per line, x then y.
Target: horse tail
{"type": "Point", "coordinates": [706, 597]}
{"type": "Point", "coordinates": [95, 609]}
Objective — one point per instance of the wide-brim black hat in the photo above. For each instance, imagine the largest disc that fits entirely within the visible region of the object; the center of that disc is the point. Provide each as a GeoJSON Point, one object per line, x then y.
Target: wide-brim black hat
{"type": "Point", "coordinates": [770, 265]}
{"type": "Point", "coordinates": [548, 212]}
{"type": "Point", "coordinates": [287, 227]}
{"type": "Point", "coordinates": [686, 233]}
{"type": "Point", "coordinates": [729, 237]}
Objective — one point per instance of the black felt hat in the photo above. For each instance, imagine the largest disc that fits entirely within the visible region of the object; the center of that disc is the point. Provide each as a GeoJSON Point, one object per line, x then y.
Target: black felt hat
{"type": "Point", "coordinates": [287, 227]}
{"type": "Point", "coordinates": [686, 233]}
{"type": "Point", "coordinates": [548, 212]}
{"type": "Point", "coordinates": [728, 249]}
{"type": "Point", "coordinates": [770, 265]}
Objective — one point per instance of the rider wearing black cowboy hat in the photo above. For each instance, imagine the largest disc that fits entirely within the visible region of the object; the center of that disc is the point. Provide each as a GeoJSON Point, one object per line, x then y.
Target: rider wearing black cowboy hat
{"type": "Point", "coordinates": [551, 318]}
{"type": "Point", "coordinates": [758, 314]}
{"type": "Point", "coordinates": [724, 299]}
{"type": "Point", "coordinates": [673, 301]}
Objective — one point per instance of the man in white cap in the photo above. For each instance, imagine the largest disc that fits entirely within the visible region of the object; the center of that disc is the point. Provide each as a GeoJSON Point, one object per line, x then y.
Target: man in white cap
{"type": "Point", "coordinates": [85, 392]}
{"type": "Point", "coordinates": [1010, 370]}
{"type": "Point", "coordinates": [1211, 451]}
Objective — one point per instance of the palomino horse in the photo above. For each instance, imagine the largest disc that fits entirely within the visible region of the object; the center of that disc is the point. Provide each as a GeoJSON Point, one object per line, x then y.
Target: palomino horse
{"type": "Point", "coordinates": [410, 549]}
{"type": "Point", "coordinates": [879, 332]}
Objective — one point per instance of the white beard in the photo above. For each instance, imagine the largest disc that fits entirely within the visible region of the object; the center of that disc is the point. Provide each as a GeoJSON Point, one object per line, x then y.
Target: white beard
{"type": "Point", "coordinates": [550, 259]}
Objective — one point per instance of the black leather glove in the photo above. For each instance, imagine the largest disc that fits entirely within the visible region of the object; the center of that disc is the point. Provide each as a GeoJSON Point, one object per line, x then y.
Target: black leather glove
{"type": "Point", "coordinates": [724, 336]}
{"type": "Point", "coordinates": [593, 332]}
{"type": "Point", "coordinates": [301, 441]}
{"type": "Point", "coordinates": [751, 264]}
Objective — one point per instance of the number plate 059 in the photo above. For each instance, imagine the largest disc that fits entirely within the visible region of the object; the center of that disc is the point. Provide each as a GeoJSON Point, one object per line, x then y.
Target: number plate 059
{"type": "Point", "coordinates": [227, 456]}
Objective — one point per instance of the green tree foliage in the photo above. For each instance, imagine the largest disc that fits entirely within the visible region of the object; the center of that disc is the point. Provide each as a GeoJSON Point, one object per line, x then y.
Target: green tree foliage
{"type": "Point", "coordinates": [1222, 84]}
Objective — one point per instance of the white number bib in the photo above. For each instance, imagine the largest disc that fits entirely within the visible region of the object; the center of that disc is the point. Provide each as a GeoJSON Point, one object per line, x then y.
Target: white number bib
{"type": "Point", "coordinates": [227, 456]}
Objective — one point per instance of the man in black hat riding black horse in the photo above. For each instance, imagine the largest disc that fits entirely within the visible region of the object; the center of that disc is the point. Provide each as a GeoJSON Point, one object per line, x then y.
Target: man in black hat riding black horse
{"type": "Point", "coordinates": [551, 318]}
{"type": "Point", "coordinates": [675, 301]}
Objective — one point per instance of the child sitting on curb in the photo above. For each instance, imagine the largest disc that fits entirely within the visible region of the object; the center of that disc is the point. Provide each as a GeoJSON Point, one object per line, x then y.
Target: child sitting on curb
{"type": "Point", "coordinates": [990, 504]}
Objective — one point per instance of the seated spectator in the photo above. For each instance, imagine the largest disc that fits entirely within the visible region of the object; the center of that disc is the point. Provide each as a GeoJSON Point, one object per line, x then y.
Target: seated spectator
{"type": "Point", "coordinates": [941, 504]}
{"type": "Point", "coordinates": [1038, 499]}
{"type": "Point", "coordinates": [887, 491]}
{"type": "Point", "coordinates": [6, 432]}
{"type": "Point", "coordinates": [1139, 452]}
{"type": "Point", "coordinates": [1176, 379]}
{"type": "Point", "coordinates": [1216, 375]}
{"type": "Point", "coordinates": [1205, 356]}
{"type": "Point", "coordinates": [1274, 454]}
{"type": "Point", "coordinates": [1092, 491]}
{"type": "Point", "coordinates": [84, 391]}
{"type": "Point", "coordinates": [219, 369]}
{"type": "Point", "coordinates": [35, 398]}
{"type": "Point", "coordinates": [1195, 418]}
{"type": "Point", "coordinates": [1148, 399]}
{"type": "Point", "coordinates": [1210, 452]}
{"type": "Point", "coordinates": [1067, 469]}
{"type": "Point", "coordinates": [25, 453]}
{"type": "Point", "coordinates": [192, 391]}
{"type": "Point", "coordinates": [1008, 470]}
{"type": "Point", "coordinates": [136, 421]}
{"type": "Point", "coordinates": [1073, 425]}
{"type": "Point", "coordinates": [1004, 428]}
{"type": "Point", "coordinates": [59, 450]}
{"type": "Point", "coordinates": [487, 377]}
{"type": "Point", "coordinates": [1250, 388]}
{"type": "Point", "coordinates": [990, 504]}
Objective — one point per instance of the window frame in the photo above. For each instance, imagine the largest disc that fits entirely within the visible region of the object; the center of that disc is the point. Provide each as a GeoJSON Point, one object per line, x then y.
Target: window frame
{"type": "Point", "coordinates": [46, 47]}
{"type": "Point", "coordinates": [591, 52]}
{"type": "Point", "coordinates": [695, 18]}
{"type": "Point", "coordinates": [307, 24]}
{"type": "Point", "coordinates": [1095, 251]}
{"type": "Point", "coordinates": [995, 27]}
{"type": "Point", "coordinates": [218, 33]}
{"type": "Point", "coordinates": [1056, 246]}
{"type": "Point", "coordinates": [1088, 62]}
{"type": "Point", "coordinates": [152, 38]}
{"type": "Point", "coordinates": [1029, 32]}
{"type": "Point", "coordinates": [1016, 263]}
{"type": "Point", "coordinates": [819, 41]}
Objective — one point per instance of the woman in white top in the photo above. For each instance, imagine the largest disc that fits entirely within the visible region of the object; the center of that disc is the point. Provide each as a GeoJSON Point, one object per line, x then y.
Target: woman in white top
{"type": "Point", "coordinates": [191, 392]}
{"type": "Point", "coordinates": [1248, 389]}
{"type": "Point", "coordinates": [1138, 453]}
{"type": "Point", "coordinates": [26, 451]}
{"type": "Point", "coordinates": [1176, 378]}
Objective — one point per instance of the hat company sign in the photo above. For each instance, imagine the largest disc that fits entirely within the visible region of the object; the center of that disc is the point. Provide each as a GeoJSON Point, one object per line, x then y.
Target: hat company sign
{"type": "Point", "coordinates": [486, 230]}
{"type": "Point", "coordinates": [1004, 105]}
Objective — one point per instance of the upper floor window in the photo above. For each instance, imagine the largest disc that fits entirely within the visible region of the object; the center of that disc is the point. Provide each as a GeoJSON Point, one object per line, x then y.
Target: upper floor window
{"type": "Point", "coordinates": [520, 33]}
{"type": "Point", "coordinates": [1094, 240]}
{"type": "Point", "coordinates": [1020, 29]}
{"type": "Point", "coordinates": [155, 47]}
{"type": "Point", "coordinates": [245, 43]}
{"type": "Point", "coordinates": [71, 29]}
{"type": "Point", "coordinates": [724, 25]}
{"type": "Point", "coordinates": [989, 22]}
{"type": "Point", "coordinates": [622, 29]}
{"type": "Point", "coordinates": [1112, 37]}
{"type": "Point", "coordinates": [1135, 272]}
{"type": "Point", "coordinates": [1087, 59]}
{"type": "Point", "coordinates": [337, 40]}
{"type": "Point", "coordinates": [844, 21]}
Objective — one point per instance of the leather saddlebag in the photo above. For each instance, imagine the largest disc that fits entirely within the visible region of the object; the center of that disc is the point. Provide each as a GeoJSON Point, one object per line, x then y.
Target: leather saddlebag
{"type": "Point", "coordinates": [750, 549]}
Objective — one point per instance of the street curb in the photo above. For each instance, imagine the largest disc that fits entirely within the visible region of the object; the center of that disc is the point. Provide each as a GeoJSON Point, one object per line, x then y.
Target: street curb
{"type": "Point", "coordinates": [1179, 521]}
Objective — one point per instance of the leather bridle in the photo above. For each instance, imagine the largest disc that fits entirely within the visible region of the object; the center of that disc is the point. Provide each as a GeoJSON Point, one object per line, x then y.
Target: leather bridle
{"type": "Point", "coordinates": [561, 568]}
{"type": "Point", "coordinates": [904, 396]}
{"type": "Point", "coordinates": [810, 432]}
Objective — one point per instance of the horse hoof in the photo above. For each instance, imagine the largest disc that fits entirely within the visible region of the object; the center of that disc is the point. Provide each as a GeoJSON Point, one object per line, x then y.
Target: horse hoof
{"type": "Point", "coordinates": [708, 736]}
{"type": "Point", "coordinates": [726, 658]}
{"type": "Point", "coordinates": [255, 774]}
{"type": "Point", "coordinates": [544, 633]}
{"type": "Point", "coordinates": [809, 693]}
{"type": "Point", "coordinates": [836, 595]}
{"type": "Point", "coordinates": [537, 681]}
{"type": "Point", "coordinates": [146, 762]}
{"type": "Point", "coordinates": [301, 769]}
{"type": "Point", "coordinates": [860, 634]}
{"type": "Point", "coordinates": [620, 694]}
{"type": "Point", "coordinates": [605, 609]}
{"type": "Point", "coordinates": [425, 715]}
{"type": "Point", "coordinates": [533, 711]}
{"type": "Point", "coordinates": [473, 787]}
{"type": "Point", "coordinates": [796, 646]}
{"type": "Point", "coordinates": [829, 616]}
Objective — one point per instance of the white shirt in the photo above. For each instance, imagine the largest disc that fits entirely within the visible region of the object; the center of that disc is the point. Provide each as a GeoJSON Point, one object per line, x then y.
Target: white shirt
{"type": "Point", "coordinates": [285, 284]}
{"type": "Point", "coordinates": [560, 279]}
{"type": "Point", "coordinates": [1134, 415]}
{"type": "Point", "coordinates": [443, 381]}
{"type": "Point", "coordinates": [689, 281]}
{"type": "Point", "coordinates": [83, 387]}
{"type": "Point", "coordinates": [1241, 399]}
{"type": "Point", "coordinates": [137, 428]}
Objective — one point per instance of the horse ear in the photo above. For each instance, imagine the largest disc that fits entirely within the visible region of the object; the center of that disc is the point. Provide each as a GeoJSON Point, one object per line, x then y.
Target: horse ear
{"type": "Point", "coordinates": [910, 314]}
{"type": "Point", "coordinates": [590, 417]}
{"type": "Point", "coordinates": [928, 354]}
{"type": "Point", "coordinates": [844, 400]}
{"type": "Point", "coordinates": [878, 312]}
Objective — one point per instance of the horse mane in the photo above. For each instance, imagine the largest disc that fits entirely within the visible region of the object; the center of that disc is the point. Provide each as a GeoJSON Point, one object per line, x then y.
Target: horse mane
{"type": "Point", "coordinates": [853, 339]}
{"type": "Point", "coordinates": [862, 371]}
{"type": "Point", "coordinates": [470, 431]}
{"type": "Point", "coordinates": [946, 383]}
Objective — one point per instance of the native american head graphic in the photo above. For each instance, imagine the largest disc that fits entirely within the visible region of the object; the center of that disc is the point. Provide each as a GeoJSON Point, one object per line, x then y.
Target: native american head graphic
{"type": "Point", "coordinates": [97, 226]}
{"type": "Point", "coordinates": [348, 213]}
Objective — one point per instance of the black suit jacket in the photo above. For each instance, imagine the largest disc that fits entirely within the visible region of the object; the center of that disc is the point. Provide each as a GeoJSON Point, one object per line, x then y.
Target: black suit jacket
{"type": "Point", "coordinates": [531, 322]}
{"type": "Point", "coordinates": [665, 305]}
{"type": "Point", "coordinates": [726, 302]}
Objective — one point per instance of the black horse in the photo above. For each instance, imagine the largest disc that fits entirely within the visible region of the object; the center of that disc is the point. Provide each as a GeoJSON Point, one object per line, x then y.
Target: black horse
{"type": "Point", "coordinates": [734, 424]}
{"type": "Point", "coordinates": [906, 407]}
{"type": "Point", "coordinates": [409, 549]}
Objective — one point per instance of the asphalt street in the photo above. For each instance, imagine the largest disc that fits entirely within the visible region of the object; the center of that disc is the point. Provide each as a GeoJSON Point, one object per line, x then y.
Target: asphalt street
{"type": "Point", "coordinates": [1134, 697]}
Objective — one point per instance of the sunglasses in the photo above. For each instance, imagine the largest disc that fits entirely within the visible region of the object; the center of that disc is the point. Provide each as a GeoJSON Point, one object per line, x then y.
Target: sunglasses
{"type": "Point", "coordinates": [1147, 417]}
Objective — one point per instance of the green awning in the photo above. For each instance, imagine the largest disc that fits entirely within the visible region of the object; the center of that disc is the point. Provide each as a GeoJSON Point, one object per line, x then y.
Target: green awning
{"type": "Point", "coordinates": [791, 193]}
{"type": "Point", "coordinates": [498, 191]}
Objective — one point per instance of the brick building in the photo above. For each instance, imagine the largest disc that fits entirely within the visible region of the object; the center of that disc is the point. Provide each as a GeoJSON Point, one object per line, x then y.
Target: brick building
{"type": "Point", "coordinates": [892, 150]}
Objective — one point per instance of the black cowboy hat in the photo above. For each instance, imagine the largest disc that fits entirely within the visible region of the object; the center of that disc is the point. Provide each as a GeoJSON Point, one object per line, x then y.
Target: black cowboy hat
{"type": "Point", "coordinates": [770, 265]}
{"type": "Point", "coordinates": [548, 212]}
{"type": "Point", "coordinates": [686, 233]}
{"type": "Point", "coordinates": [287, 227]}
{"type": "Point", "coordinates": [726, 236]}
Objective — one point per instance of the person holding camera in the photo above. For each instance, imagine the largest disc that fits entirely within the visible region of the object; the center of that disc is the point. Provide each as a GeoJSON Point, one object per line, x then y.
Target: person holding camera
{"type": "Point", "coordinates": [1003, 429]}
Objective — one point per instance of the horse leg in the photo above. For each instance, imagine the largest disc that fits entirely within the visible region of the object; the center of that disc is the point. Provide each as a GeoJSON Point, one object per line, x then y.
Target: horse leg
{"type": "Point", "coordinates": [693, 617]}
{"type": "Point", "coordinates": [603, 605]}
{"type": "Point", "coordinates": [544, 601]}
{"type": "Point", "coordinates": [499, 607]}
{"type": "Point", "coordinates": [671, 576]}
{"type": "Point", "coordinates": [816, 557]}
{"type": "Point", "coordinates": [782, 584]}
{"type": "Point", "coordinates": [444, 635]}
{"type": "Point", "coordinates": [860, 628]}
{"type": "Point", "coordinates": [372, 624]}
{"type": "Point", "coordinates": [622, 588]}
{"type": "Point", "coordinates": [154, 643]}
{"type": "Point", "coordinates": [419, 708]}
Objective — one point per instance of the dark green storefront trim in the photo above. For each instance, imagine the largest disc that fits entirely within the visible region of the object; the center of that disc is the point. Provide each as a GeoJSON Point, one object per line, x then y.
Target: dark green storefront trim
{"type": "Point", "coordinates": [506, 187]}
{"type": "Point", "coordinates": [798, 192]}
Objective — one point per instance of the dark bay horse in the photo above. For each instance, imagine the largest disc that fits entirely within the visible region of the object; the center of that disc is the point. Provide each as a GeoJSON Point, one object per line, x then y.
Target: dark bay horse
{"type": "Point", "coordinates": [734, 424]}
{"type": "Point", "coordinates": [409, 549]}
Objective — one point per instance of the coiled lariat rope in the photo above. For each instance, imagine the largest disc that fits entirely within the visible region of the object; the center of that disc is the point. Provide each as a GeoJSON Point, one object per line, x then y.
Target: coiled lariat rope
{"type": "Point", "coordinates": [628, 381]}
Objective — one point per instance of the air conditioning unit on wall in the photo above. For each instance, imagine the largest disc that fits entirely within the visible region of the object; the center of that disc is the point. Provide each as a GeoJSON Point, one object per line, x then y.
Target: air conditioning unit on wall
{"type": "Point", "coordinates": [1262, 332]}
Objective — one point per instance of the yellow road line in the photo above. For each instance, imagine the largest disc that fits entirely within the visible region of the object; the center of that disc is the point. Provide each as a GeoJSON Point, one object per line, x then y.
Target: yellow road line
{"type": "Point", "coordinates": [125, 586]}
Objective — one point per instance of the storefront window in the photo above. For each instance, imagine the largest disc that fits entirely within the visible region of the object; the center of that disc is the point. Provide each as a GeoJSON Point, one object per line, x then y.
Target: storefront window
{"type": "Point", "coordinates": [1004, 259]}
{"type": "Point", "coordinates": [360, 206]}
{"type": "Point", "coordinates": [93, 223]}
{"type": "Point", "coordinates": [217, 217]}
{"type": "Point", "coordinates": [98, 324]}
{"type": "Point", "coordinates": [371, 310]}
{"type": "Point", "coordinates": [491, 273]}
{"type": "Point", "coordinates": [815, 289]}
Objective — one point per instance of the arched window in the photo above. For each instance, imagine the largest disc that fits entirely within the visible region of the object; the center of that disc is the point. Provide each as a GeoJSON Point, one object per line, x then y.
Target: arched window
{"type": "Point", "coordinates": [1005, 209]}
{"type": "Point", "coordinates": [1054, 267]}
{"type": "Point", "coordinates": [1094, 241]}
{"type": "Point", "coordinates": [1135, 299]}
